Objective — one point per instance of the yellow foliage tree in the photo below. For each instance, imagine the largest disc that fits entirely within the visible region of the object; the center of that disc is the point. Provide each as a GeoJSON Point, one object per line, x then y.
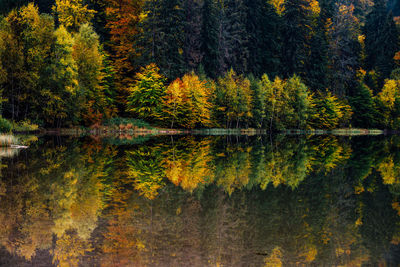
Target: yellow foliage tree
{"type": "Point", "coordinates": [187, 102]}
{"type": "Point", "coordinates": [72, 13]}
{"type": "Point", "coordinates": [176, 103]}
{"type": "Point", "coordinates": [200, 96]}
{"type": "Point", "coordinates": [390, 171]}
{"type": "Point", "coordinates": [234, 99]}
{"type": "Point", "coordinates": [190, 168]}
{"type": "Point", "coordinates": [388, 98]}
{"type": "Point", "coordinates": [69, 248]}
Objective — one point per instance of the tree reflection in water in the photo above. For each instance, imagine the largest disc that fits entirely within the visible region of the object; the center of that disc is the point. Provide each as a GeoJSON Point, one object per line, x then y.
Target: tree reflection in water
{"type": "Point", "coordinates": [202, 201]}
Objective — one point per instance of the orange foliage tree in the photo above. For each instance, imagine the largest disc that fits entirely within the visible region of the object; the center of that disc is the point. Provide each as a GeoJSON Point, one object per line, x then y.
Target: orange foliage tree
{"type": "Point", "coordinates": [123, 17]}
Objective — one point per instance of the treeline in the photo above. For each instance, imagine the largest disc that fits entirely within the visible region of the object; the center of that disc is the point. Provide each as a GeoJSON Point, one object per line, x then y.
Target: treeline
{"type": "Point", "coordinates": [201, 63]}
{"type": "Point", "coordinates": [233, 101]}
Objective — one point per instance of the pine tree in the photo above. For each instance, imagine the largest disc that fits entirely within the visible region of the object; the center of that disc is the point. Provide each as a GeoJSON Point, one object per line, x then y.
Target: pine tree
{"type": "Point", "coordinates": [223, 48]}
{"type": "Point", "coordinates": [344, 50]}
{"type": "Point", "coordinates": [317, 62]}
{"type": "Point", "coordinates": [263, 41]}
{"type": "Point", "coordinates": [209, 35]}
{"type": "Point", "coordinates": [193, 26]}
{"type": "Point", "coordinates": [147, 93]}
{"type": "Point", "coordinates": [381, 40]}
{"type": "Point", "coordinates": [362, 105]}
{"type": "Point", "coordinates": [237, 41]}
{"type": "Point", "coordinates": [162, 38]}
{"type": "Point", "coordinates": [296, 36]}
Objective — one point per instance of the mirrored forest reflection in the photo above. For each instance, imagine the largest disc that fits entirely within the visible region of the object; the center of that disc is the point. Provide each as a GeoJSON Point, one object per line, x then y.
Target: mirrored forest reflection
{"type": "Point", "coordinates": [201, 201]}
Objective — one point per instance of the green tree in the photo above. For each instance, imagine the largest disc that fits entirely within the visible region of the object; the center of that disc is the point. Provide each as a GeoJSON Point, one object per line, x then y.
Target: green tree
{"type": "Point", "coordinates": [89, 61]}
{"type": "Point", "coordinates": [233, 100]}
{"type": "Point", "coordinates": [264, 42]}
{"type": "Point", "coordinates": [296, 36]}
{"type": "Point", "coordinates": [61, 93]}
{"type": "Point", "coordinates": [193, 42]}
{"type": "Point", "coordinates": [237, 37]}
{"type": "Point", "coordinates": [147, 92]}
{"type": "Point", "coordinates": [298, 99]}
{"type": "Point", "coordinates": [363, 106]}
{"type": "Point", "coordinates": [275, 101]}
{"type": "Point", "coordinates": [259, 92]}
{"type": "Point", "coordinates": [209, 35]}
{"type": "Point", "coordinates": [27, 38]}
{"type": "Point", "coordinates": [317, 63]}
{"type": "Point", "coordinates": [344, 49]}
{"type": "Point", "coordinates": [381, 40]}
{"type": "Point", "coordinates": [327, 111]}
{"type": "Point", "coordinates": [162, 37]}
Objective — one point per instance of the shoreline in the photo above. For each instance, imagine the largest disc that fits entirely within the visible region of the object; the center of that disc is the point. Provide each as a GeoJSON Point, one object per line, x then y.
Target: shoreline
{"type": "Point", "coordinates": [106, 131]}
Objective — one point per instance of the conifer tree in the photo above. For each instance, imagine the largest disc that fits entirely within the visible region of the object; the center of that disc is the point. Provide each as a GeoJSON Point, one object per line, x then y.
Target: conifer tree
{"type": "Point", "coordinates": [120, 29]}
{"type": "Point", "coordinates": [209, 35]}
{"type": "Point", "coordinates": [381, 40]}
{"type": "Point", "coordinates": [317, 62]}
{"type": "Point", "coordinates": [237, 41]}
{"type": "Point", "coordinates": [344, 49]}
{"type": "Point", "coordinates": [296, 36]}
{"type": "Point", "coordinates": [147, 93]}
{"type": "Point", "coordinates": [193, 27]}
{"type": "Point", "coordinates": [363, 107]}
{"type": "Point", "coordinates": [162, 38]}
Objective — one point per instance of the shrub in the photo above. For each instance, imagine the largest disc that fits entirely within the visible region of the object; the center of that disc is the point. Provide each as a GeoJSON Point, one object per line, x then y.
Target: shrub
{"type": "Point", "coordinates": [25, 126]}
{"type": "Point", "coordinates": [5, 125]}
{"type": "Point", "coordinates": [127, 121]}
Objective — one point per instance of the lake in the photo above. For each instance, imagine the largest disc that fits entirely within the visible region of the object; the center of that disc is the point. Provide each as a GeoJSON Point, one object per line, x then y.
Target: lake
{"type": "Point", "coordinates": [201, 201]}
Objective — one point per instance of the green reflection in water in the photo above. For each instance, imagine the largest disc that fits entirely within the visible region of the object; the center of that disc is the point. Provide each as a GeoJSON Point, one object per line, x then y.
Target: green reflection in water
{"type": "Point", "coordinates": [202, 201]}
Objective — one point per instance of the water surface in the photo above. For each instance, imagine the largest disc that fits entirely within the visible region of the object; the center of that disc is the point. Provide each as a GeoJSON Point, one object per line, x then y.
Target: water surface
{"type": "Point", "coordinates": [201, 201]}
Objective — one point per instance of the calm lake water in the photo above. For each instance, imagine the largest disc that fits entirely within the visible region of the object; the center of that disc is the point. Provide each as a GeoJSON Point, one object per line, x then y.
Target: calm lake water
{"type": "Point", "coordinates": [201, 201]}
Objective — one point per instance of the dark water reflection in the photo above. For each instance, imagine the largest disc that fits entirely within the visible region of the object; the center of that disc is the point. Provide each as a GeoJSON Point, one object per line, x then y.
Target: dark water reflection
{"type": "Point", "coordinates": [202, 201]}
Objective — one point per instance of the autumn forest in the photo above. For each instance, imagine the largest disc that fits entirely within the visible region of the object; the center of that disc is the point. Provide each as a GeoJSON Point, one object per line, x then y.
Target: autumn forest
{"type": "Point", "coordinates": [277, 64]}
{"type": "Point", "coordinates": [199, 133]}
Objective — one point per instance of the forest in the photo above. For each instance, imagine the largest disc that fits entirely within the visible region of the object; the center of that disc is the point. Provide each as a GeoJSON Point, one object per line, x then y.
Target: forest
{"type": "Point", "coordinates": [272, 64]}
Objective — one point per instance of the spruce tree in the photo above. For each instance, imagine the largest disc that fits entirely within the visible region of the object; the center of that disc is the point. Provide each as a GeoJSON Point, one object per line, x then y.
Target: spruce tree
{"type": "Point", "coordinates": [162, 38]}
{"type": "Point", "coordinates": [362, 105]}
{"type": "Point", "coordinates": [296, 32]}
{"type": "Point", "coordinates": [317, 63]}
{"type": "Point", "coordinates": [344, 50]}
{"type": "Point", "coordinates": [223, 36]}
{"type": "Point", "coordinates": [238, 55]}
{"type": "Point", "coordinates": [193, 23]}
{"type": "Point", "coordinates": [209, 35]}
{"type": "Point", "coordinates": [263, 27]}
{"type": "Point", "coordinates": [381, 40]}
